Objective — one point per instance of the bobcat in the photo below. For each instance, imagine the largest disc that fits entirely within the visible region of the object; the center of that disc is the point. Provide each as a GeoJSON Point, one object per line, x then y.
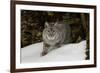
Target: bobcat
{"type": "Point", "coordinates": [55, 34]}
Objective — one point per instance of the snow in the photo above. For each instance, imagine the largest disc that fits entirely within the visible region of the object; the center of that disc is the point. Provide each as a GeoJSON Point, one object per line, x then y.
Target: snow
{"type": "Point", "coordinates": [69, 52]}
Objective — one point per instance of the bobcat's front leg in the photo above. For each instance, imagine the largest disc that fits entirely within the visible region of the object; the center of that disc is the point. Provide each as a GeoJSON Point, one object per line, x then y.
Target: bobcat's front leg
{"type": "Point", "coordinates": [45, 49]}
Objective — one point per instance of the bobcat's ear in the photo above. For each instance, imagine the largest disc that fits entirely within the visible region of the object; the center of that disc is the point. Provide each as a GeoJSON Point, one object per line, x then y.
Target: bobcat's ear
{"type": "Point", "coordinates": [56, 23]}
{"type": "Point", "coordinates": [46, 24]}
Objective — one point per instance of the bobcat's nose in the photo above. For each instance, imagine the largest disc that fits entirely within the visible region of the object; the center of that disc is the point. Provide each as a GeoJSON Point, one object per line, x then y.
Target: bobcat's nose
{"type": "Point", "coordinates": [51, 34]}
{"type": "Point", "coordinates": [51, 29]}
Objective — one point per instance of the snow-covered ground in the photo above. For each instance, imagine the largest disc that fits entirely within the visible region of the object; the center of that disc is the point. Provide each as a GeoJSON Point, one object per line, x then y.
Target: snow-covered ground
{"type": "Point", "coordinates": [69, 52]}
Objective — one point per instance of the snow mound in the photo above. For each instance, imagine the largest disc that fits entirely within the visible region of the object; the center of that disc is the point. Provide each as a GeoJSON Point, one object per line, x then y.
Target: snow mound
{"type": "Point", "coordinates": [69, 52]}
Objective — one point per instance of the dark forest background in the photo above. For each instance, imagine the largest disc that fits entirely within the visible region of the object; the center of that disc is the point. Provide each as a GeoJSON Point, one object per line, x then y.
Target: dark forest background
{"type": "Point", "coordinates": [32, 25]}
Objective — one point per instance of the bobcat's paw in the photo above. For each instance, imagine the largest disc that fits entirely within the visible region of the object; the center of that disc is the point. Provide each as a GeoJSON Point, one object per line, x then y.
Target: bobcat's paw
{"type": "Point", "coordinates": [43, 53]}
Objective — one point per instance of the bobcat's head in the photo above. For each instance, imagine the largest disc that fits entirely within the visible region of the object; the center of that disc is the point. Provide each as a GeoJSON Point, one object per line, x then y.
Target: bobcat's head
{"type": "Point", "coordinates": [51, 34]}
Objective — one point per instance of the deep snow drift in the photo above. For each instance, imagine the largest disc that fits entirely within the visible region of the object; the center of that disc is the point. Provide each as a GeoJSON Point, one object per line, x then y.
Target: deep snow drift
{"type": "Point", "coordinates": [69, 52]}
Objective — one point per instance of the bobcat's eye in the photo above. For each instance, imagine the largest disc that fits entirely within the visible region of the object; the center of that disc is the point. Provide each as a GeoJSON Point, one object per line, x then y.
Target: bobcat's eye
{"type": "Point", "coordinates": [53, 31]}
{"type": "Point", "coordinates": [47, 31]}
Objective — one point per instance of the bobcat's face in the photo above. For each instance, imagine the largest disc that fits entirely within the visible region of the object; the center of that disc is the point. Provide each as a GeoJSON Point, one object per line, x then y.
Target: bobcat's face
{"type": "Point", "coordinates": [51, 34]}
